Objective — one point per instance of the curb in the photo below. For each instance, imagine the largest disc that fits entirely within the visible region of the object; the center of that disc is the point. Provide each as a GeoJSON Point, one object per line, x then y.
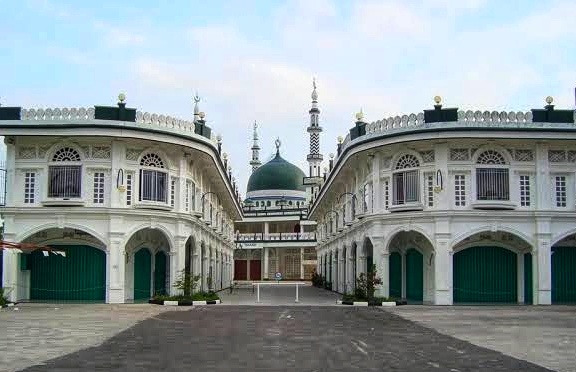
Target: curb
{"type": "Point", "coordinates": [365, 303]}
{"type": "Point", "coordinates": [185, 303]}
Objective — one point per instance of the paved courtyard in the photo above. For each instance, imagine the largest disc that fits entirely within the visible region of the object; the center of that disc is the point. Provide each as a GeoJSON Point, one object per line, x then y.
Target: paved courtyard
{"type": "Point", "coordinates": [306, 336]}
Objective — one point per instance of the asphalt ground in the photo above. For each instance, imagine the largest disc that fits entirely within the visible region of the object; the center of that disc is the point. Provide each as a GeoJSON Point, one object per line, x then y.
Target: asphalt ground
{"type": "Point", "coordinates": [282, 338]}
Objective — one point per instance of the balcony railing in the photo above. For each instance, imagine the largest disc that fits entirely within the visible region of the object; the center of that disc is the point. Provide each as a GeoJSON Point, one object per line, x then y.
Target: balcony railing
{"type": "Point", "coordinates": [273, 237]}
{"type": "Point", "coordinates": [275, 211]}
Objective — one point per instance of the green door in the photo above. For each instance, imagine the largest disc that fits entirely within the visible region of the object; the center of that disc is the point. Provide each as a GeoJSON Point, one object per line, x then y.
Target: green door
{"type": "Point", "coordinates": [485, 274]}
{"type": "Point", "coordinates": [79, 276]}
{"type": "Point", "coordinates": [414, 275]}
{"type": "Point", "coordinates": [160, 273]}
{"type": "Point", "coordinates": [369, 263]}
{"type": "Point", "coordinates": [395, 275]}
{"type": "Point", "coordinates": [563, 275]}
{"type": "Point", "coordinates": [528, 279]}
{"type": "Point", "coordinates": [142, 274]}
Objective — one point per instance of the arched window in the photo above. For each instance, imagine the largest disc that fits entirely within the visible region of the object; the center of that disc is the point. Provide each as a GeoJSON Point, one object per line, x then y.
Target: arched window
{"type": "Point", "coordinates": [492, 179]}
{"type": "Point", "coordinates": [406, 180]}
{"type": "Point", "coordinates": [65, 174]}
{"type": "Point", "coordinates": [153, 179]}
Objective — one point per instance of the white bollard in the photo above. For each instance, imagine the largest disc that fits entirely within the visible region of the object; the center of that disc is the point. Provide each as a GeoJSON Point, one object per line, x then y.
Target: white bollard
{"type": "Point", "coordinates": [297, 292]}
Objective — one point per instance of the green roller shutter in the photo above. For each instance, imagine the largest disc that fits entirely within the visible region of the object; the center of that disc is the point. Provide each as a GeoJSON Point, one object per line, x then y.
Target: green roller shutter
{"type": "Point", "coordinates": [395, 275]}
{"type": "Point", "coordinates": [160, 273]}
{"type": "Point", "coordinates": [528, 300]}
{"type": "Point", "coordinates": [142, 274]}
{"type": "Point", "coordinates": [80, 276]}
{"type": "Point", "coordinates": [485, 274]}
{"type": "Point", "coordinates": [563, 274]}
{"type": "Point", "coordinates": [414, 275]}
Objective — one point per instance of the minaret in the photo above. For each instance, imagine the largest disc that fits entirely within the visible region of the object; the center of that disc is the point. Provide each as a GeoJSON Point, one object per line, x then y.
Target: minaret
{"type": "Point", "coordinates": [314, 157]}
{"type": "Point", "coordinates": [255, 162]}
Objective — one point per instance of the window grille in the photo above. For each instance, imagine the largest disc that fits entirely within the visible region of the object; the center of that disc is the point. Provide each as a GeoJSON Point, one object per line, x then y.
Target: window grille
{"type": "Point", "coordinates": [406, 187]}
{"type": "Point", "coordinates": [153, 185]}
{"type": "Point", "coordinates": [460, 190]}
{"type": "Point", "coordinates": [64, 181]}
{"type": "Point", "coordinates": [492, 183]}
{"type": "Point", "coordinates": [524, 191]}
{"type": "Point", "coordinates": [98, 197]}
{"type": "Point", "coordinates": [187, 197]}
{"type": "Point", "coordinates": [430, 190]}
{"type": "Point", "coordinates": [29, 187]}
{"type": "Point", "coordinates": [129, 189]}
{"type": "Point", "coordinates": [386, 194]}
{"type": "Point", "coordinates": [560, 191]}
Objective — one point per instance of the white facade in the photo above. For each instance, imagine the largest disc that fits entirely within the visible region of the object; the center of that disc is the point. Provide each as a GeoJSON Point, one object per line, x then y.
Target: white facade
{"type": "Point", "coordinates": [435, 189]}
{"type": "Point", "coordinates": [119, 186]}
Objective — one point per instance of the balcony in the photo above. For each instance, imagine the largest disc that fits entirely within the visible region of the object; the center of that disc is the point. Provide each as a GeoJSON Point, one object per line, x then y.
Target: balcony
{"type": "Point", "coordinates": [276, 237]}
{"type": "Point", "coordinates": [250, 211]}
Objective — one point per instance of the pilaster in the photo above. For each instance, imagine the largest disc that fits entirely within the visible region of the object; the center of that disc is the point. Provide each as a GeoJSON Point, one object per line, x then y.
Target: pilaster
{"type": "Point", "coordinates": [116, 262]}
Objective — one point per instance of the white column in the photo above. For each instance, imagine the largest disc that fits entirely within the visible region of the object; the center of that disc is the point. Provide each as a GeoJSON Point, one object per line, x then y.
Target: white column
{"type": "Point", "coordinates": [301, 263]}
{"type": "Point", "coordinates": [266, 230]}
{"type": "Point", "coordinates": [116, 271]}
{"type": "Point", "coordinates": [266, 259]}
{"type": "Point", "coordinates": [543, 268]}
{"type": "Point", "coordinates": [173, 262]}
{"type": "Point", "coordinates": [377, 194]}
{"type": "Point", "coordinates": [350, 280]}
{"type": "Point", "coordinates": [341, 272]}
{"type": "Point", "coordinates": [520, 276]}
{"type": "Point", "coordinates": [442, 273]}
{"type": "Point", "coordinates": [381, 260]}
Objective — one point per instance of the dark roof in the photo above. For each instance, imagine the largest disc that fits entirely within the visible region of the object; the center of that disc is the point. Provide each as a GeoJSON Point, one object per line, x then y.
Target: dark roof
{"type": "Point", "coordinates": [277, 174]}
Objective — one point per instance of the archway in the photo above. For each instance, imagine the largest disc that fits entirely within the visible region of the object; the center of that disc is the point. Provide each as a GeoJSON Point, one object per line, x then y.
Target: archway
{"type": "Point", "coordinates": [189, 254]}
{"type": "Point", "coordinates": [80, 275]}
{"type": "Point", "coordinates": [492, 267]}
{"type": "Point", "coordinates": [411, 267]}
{"type": "Point", "coordinates": [564, 271]}
{"type": "Point", "coordinates": [147, 264]}
{"type": "Point", "coordinates": [368, 250]}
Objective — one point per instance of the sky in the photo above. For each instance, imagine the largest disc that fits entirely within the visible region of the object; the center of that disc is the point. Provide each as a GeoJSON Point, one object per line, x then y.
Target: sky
{"type": "Point", "coordinates": [254, 60]}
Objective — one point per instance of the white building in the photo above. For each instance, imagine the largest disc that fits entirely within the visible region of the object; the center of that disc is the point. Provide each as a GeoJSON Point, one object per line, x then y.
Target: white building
{"type": "Point", "coordinates": [131, 198]}
{"type": "Point", "coordinates": [454, 207]}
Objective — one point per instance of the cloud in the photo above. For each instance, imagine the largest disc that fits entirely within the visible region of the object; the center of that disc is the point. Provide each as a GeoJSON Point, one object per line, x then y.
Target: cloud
{"type": "Point", "coordinates": [118, 36]}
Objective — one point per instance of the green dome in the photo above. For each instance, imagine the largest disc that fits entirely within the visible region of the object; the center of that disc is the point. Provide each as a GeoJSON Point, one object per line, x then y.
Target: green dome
{"type": "Point", "coordinates": [277, 174]}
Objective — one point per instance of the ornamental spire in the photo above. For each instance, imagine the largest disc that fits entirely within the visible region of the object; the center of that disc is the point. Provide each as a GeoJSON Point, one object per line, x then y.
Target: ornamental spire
{"type": "Point", "coordinates": [255, 162]}
{"type": "Point", "coordinates": [314, 157]}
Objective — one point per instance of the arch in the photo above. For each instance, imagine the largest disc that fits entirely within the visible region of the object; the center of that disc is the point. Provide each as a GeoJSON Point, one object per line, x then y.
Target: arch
{"type": "Point", "coordinates": [167, 234]}
{"type": "Point", "coordinates": [156, 150]}
{"type": "Point", "coordinates": [401, 229]}
{"type": "Point", "coordinates": [400, 154]}
{"type": "Point", "coordinates": [80, 275]}
{"type": "Point", "coordinates": [488, 229]}
{"type": "Point", "coordinates": [66, 154]}
{"type": "Point", "coordinates": [27, 234]}
{"type": "Point", "coordinates": [492, 147]}
{"type": "Point", "coordinates": [407, 161]}
{"type": "Point", "coordinates": [61, 144]}
{"type": "Point", "coordinates": [559, 237]}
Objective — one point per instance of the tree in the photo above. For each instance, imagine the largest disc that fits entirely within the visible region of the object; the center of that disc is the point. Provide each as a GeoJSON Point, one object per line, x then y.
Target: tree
{"type": "Point", "coordinates": [186, 282]}
{"type": "Point", "coordinates": [366, 284]}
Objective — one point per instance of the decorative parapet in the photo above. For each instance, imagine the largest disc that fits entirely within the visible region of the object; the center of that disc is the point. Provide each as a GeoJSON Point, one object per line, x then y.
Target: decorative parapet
{"type": "Point", "coordinates": [475, 119]}
{"type": "Point", "coordinates": [48, 114]}
{"type": "Point", "coordinates": [162, 120]}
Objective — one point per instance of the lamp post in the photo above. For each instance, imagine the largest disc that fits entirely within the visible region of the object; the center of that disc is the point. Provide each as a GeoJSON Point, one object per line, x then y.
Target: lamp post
{"type": "Point", "coordinates": [344, 206]}
{"type": "Point", "coordinates": [202, 201]}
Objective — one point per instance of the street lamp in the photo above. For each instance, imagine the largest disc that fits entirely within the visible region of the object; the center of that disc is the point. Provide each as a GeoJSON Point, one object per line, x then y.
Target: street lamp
{"type": "Point", "coordinates": [344, 206]}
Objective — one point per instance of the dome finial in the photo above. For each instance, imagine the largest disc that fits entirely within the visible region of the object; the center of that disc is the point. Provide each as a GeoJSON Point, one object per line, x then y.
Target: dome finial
{"type": "Point", "coordinates": [196, 100]}
{"type": "Point", "coordinates": [314, 93]}
{"type": "Point", "coordinates": [278, 143]}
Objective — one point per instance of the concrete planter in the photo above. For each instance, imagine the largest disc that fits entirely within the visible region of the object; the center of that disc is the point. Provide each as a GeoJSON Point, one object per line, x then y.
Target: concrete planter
{"type": "Point", "coordinates": [184, 303]}
{"type": "Point", "coordinates": [365, 303]}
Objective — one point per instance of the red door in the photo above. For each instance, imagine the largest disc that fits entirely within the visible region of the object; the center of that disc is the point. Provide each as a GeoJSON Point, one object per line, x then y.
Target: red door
{"type": "Point", "coordinates": [255, 270]}
{"type": "Point", "coordinates": [240, 270]}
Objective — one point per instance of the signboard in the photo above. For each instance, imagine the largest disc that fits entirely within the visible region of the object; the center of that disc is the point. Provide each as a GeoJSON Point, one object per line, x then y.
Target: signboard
{"type": "Point", "coordinates": [251, 245]}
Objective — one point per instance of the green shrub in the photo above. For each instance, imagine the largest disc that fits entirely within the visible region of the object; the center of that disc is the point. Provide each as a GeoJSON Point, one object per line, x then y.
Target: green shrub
{"type": "Point", "coordinates": [186, 282]}
{"type": "Point", "coordinates": [3, 299]}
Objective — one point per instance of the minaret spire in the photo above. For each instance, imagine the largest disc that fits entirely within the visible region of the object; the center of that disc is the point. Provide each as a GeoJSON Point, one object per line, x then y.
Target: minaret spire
{"type": "Point", "coordinates": [255, 162]}
{"type": "Point", "coordinates": [314, 157]}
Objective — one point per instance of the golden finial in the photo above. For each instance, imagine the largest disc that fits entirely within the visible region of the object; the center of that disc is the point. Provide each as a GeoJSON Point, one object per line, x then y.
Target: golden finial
{"type": "Point", "coordinates": [437, 99]}
{"type": "Point", "coordinates": [331, 156]}
{"type": "Point", "coordinates": [202, 114]}
{"type": "Point", "coordinates": [360, 115]}
{"type": "Point", "coordinates": [549, 100]}
{"type": "Point", "coordinates": [122, 97]}
{"type": "Point", "coordinates": [340, 139]}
